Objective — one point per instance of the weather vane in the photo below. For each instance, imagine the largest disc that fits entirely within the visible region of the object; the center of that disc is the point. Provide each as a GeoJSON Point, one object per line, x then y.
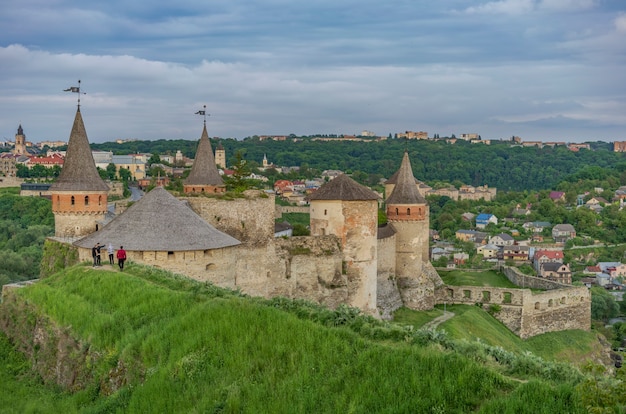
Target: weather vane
{"type": "Point", "coordinates": [75, 89]}
{"type": "Point", "coordinates": [203, 113]}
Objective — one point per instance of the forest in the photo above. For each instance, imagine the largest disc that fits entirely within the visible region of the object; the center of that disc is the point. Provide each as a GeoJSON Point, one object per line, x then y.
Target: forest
{"type": "Point", "coordinates": [500, 165]}
{"type": "Point", "coordinates": [25, 222]}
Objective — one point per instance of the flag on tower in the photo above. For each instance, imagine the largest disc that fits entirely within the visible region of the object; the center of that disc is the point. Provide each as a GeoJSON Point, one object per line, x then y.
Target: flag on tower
{"type": "Point", "coordinates": [72, 89]}
{"type": "Point", "coordinates": [201, 113]}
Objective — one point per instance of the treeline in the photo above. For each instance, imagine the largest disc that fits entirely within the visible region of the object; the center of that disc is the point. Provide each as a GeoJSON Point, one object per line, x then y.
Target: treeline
{"type": "Point", "coordinates": [25, 222]}
{"type": "Point", "coordinates": [498, 165]}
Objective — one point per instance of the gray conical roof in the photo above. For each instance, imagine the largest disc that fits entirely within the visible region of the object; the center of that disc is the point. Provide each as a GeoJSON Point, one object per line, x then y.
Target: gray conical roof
{"type": "Point", "coordinates": [405, 190]}
{"type": "Point", "coordinates": [159, 222]}
{"type": "Point", "coordinates": [79, 172]}
{"type": "Point", "coordinates": [343, 188]}
{"type": "Point", "coordinates": [204, 171]}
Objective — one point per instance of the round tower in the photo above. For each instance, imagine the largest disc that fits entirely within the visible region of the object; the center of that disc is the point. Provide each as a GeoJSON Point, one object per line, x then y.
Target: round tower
{"type": "Point", "coordinates": [348, 210]}
{"type": "Point", "coordinates": [204, 177]}
{"type": "Point", "coordinates": [408, 213]}
{"type": "Point", "coordinates": [79, 195]}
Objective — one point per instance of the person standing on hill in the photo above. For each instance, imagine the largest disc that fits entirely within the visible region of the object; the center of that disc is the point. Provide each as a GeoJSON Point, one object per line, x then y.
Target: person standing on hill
{"type": "Point", "coordinates": [94, 254]}
{"type": "Point", "coordinates": [111, 252]}
{"type": "Point", "coordinates": [121, 257]}
{"type": "Point", "coordinates": [98, 248]}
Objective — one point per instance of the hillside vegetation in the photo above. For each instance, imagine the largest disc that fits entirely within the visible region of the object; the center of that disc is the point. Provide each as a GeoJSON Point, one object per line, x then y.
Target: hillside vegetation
{"type": "Point", "coordinates": [154, 342]}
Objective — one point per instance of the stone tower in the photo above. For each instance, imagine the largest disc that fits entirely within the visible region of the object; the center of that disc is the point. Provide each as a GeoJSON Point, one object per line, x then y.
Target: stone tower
{"type": "Point", "coordinates": [348, 210]}
{"type": "Point", "coordinates": [20, 142]}
{"type": "Point", "coordinates": [204, 177]}
{"type": "Point", "coordinates": [220, 156]}
{"type": "Point", "coordinates": [79, 196]}
{"type": "Point", "coordinates": [408, 213]}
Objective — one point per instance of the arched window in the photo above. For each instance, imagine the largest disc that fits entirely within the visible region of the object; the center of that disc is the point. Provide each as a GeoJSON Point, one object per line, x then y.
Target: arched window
{"type": "Point", "coordinates": [86, 200]}
{"type": "Point", "coordinates": [72, 201]}
{"type": "Point", "coordinates": [396, 211]}
{"type": "Point", "coordinates": [408, 211]}
{"type": "Point", "coordinates": [99, 200]}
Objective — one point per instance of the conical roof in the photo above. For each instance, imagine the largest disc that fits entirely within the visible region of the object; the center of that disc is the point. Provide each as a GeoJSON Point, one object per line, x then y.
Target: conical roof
{"type": "Point", "coordinates": [159, 222]}
{"type": "Point", "coordinates": [405, 190]}
{"type": "Point", "coordinates": [79, 172]}
{"type": "Point", "coordinates": [204, 171]}
{"type": "Point", "coordinates": [343, 188]}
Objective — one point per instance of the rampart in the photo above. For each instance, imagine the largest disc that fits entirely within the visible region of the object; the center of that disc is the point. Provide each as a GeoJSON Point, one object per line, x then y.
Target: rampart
{"type": "Point", "coordinates": [280, 210]}
{"type": "Point", "coordinates": [249, 219]}
{"type": "Point", "coordinates": [524, 312]}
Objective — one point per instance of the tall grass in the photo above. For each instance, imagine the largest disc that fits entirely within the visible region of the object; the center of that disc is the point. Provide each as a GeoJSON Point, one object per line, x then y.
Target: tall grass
{"type": "Point", "coordinates": [191, 347]}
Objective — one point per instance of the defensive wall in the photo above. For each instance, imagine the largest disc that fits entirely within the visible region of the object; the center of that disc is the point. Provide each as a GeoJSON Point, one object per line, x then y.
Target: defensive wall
{"type": "Point", "coordinates": [249, 219]}
{"type": "Point", "coordinates": [525, 312]}
{"type": "Point", "coordinates": [280, 210]}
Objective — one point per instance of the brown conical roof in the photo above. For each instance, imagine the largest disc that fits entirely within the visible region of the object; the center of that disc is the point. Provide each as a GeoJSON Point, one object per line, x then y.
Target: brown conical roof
{"type": "Point", "coordinates": [204, 171]}
{"type": "Point", "coordinates": [79, 172]}
{"type": "Point", "coordinates": [343, 188]}
{"type": "Point", "coordinates": [159, 222]}
{"type": "Point", "coordinates": [405, 191]}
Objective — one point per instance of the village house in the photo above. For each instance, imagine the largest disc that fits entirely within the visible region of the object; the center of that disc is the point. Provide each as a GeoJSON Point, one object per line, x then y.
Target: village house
{"type": "Point", "coordinates": [546, 256]}
{"type": "Point", "coordinates": [557, 272]}
{"type": "Point", "coordinates": [557, 196]}
{"type": "Point", "coordinates": [516, 253]}
{"type": "Point", "coordinates": [536, 226]}
{"type": "Point", "coordinates": [470, 235]}
{"type": "Point", "coordinates": [484, 219]}
{"type": "Point", "coordinates": [488, 251]}
{"type": "Point", "coordinates": [502, 239]}
{"type": "Point", "coordinates": [563, 232]}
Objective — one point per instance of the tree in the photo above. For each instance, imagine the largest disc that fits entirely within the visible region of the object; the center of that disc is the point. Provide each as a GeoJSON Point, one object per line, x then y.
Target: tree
{"type": "Point", "coordinates": [603, 305]}
{"type": "Point", "coordinates": [125, 174]}
{"type": "Point", "coordinates": [154, 159]}
{"type": "Point", "coordinates": [241, 171]}
{"type": "Point", "coordinates": [111, 171]}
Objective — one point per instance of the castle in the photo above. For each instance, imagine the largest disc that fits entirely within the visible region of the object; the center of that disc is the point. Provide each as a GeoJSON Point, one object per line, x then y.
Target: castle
{"type": "Point", "coordinates": [229, 241]}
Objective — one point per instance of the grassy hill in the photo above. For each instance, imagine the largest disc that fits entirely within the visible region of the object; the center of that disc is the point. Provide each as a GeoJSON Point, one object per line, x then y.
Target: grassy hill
{"type": "Point", "coordinates": [149, 341]}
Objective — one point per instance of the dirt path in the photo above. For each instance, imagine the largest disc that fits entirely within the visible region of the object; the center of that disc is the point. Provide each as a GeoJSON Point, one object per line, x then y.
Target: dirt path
{"type": "Point", "coordinates": [438, 320]}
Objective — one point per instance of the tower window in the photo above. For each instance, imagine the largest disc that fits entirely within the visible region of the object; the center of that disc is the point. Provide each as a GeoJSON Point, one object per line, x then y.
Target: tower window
{"type": "Point", "coordinates": [325, 212]}
{"type": "Point", "coordinates": [72, 200]}
{"type": "Point", "coordinates": [86, 200]}
{"type": "Point", "coordinates": [100, 200]}
{"type": "Point", "coordinates": [396, 211]}
{"type": "Point", "coordinates": [408, 211]}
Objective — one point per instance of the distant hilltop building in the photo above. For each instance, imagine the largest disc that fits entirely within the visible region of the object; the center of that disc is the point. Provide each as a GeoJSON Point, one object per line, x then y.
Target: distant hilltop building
{"type": "Point", "coordinates": [619, 146]}
{"type": "Point", "coordinates": [51, 144]}
{"type": "Point", "coordinates": [413, 135]}
{"type": "Point", "coordinates": [469, 137]}
{"type": "Point", "coordinates": [575, 147]}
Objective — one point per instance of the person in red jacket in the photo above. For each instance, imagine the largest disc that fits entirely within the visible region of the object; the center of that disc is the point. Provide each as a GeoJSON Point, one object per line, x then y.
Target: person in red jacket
{"type": "Point", "coordinates": [121, 257]}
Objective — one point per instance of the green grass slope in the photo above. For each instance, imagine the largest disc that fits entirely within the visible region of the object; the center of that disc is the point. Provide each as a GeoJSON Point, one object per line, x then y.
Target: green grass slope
{"type": "Point", "coordinates": [183, 346]}
{"type": "Point", "coordinates": [472, 323]}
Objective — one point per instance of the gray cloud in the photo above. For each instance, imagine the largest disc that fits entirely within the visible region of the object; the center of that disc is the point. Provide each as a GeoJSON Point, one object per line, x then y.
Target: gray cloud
{"type": "Point", "coordinates": [277, 67]}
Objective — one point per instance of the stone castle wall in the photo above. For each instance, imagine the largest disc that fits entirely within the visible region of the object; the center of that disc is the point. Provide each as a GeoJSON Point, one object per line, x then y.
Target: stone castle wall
{"type": "Point", "coordinates": [249, 219]}
{"type": "Point", "coordinates": [524, 312]}
{"type": "Point", "coordinates": [387, 294]}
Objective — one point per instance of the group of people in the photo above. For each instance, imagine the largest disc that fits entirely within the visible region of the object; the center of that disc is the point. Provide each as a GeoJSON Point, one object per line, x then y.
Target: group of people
{"type": "Point", "coordinates": [121, 255]}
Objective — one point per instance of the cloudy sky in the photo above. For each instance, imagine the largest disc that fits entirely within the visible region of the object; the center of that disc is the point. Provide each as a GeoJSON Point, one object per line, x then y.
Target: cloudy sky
{"type": "Point", "coordinates": [540, 69]}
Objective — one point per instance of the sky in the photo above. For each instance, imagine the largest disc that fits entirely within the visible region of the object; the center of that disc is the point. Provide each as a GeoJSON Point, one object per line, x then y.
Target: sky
{"type": "Point", "coordinates": [546, 70]}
